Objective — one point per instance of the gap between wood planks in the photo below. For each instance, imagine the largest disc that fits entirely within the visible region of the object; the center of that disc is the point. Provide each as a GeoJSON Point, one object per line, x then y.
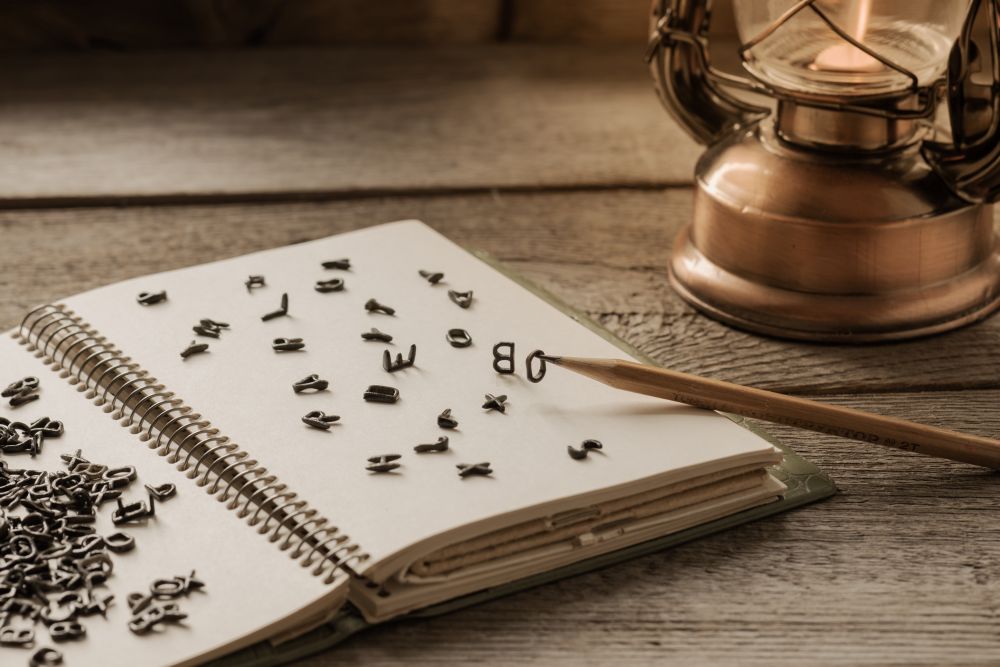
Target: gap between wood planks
{"type": "Point", "coordinates": [320, 196]}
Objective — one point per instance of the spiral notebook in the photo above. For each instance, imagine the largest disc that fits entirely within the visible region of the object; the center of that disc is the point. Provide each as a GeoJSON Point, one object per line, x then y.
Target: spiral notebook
{"type": "Point", "coordinates": [303, 534]}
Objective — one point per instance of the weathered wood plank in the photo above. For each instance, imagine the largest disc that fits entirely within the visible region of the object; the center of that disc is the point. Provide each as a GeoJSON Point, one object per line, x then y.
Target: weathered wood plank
{"type": "Point", "coordinates": [299, 122]}
{"type": "Point", "coordinates": [604, 253]}
{"type": "Point", "coordinates": [903, 567]}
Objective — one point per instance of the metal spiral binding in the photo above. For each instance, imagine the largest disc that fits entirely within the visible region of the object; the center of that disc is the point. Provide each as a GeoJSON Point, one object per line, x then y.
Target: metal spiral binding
{"type": "Point", "coordinates": [187, 440]}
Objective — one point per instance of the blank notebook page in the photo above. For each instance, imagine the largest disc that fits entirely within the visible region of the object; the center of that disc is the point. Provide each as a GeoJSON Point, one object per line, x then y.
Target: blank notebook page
{"type": "Point", "coordinates": [249, 584]}
{"type": "Point", "coordinates": [245, 388]}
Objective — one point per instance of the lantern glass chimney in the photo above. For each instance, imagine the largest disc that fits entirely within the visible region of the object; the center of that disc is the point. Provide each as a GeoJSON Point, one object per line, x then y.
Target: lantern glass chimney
{"type": "Point", "coordinates": [805, 54]}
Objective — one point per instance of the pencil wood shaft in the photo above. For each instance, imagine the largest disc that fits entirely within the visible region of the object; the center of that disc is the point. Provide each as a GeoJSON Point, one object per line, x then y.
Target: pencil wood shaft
{"type": "Point", "coordinates": [790, 410]}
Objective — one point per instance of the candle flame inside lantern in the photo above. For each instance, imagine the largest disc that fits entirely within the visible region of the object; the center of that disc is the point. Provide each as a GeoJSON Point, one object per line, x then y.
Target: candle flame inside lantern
{"type": "Point", "coordinates": [846, 57]}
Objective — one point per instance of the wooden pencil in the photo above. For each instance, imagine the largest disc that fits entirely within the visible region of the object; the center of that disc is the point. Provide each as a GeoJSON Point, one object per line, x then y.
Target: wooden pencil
{"type": "Point", "coordinates": [782, 409]}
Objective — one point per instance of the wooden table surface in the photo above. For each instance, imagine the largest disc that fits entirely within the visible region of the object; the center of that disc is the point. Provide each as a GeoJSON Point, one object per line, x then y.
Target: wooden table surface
{"type": "Point", "coordinates": [558, 161]}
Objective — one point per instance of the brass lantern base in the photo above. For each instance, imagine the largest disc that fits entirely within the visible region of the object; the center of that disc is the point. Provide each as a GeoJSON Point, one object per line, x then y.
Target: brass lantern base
{"type": "Point", "coordinates": [807, 245]}
{"type": "Point", "coordinates": [843, 318]}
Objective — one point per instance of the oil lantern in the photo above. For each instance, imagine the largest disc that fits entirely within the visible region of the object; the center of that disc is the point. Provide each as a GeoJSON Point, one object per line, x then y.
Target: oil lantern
{"type": "Point", "coordinates": [846, 191]}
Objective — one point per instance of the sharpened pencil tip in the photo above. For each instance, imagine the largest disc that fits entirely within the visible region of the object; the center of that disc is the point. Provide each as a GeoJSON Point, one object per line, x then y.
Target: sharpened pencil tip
{"type": "Point", "coordinates": [550, 359]}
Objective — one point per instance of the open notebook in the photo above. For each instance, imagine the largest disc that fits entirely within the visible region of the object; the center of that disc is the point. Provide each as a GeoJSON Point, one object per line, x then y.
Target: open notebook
{"type": "Point", "coordinates": [329, 537]}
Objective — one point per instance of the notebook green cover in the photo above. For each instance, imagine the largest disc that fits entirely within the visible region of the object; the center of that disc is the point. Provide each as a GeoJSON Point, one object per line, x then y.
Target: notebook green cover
{"type": "Point", "coordinates": [806, 484]}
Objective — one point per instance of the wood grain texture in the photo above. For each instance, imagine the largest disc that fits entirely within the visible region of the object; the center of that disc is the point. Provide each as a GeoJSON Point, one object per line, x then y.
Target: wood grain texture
{"type": "Point", "coordinates": [261, 124]}
{"type": "Point", "coordinates": [603, 252]}
{"type": "Point", "coordinates": [901, 568]}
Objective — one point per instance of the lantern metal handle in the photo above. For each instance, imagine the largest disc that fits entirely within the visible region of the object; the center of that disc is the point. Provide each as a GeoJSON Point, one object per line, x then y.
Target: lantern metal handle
{"type": "Point", "coordinates": [686, 82]}
{"type": "Point", "coordinates": [970, 164]}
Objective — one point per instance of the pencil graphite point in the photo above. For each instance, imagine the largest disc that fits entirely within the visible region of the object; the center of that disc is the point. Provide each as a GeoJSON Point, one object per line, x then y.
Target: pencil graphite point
{"type": "Point", "coordinates": [550, 359]}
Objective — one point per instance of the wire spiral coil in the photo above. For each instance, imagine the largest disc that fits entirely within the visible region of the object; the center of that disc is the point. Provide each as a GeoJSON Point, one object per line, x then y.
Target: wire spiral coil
{"type": "Point", "coordinates": [186, 439]}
